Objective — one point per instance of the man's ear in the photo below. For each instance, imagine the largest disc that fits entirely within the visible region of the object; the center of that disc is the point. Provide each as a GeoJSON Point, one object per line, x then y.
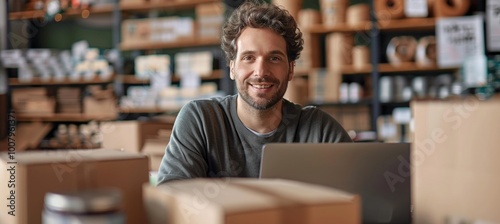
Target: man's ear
{"type": "Point", "coordinates": [231, 67]}
{"type": "Point", "coordinates": [291, 69]}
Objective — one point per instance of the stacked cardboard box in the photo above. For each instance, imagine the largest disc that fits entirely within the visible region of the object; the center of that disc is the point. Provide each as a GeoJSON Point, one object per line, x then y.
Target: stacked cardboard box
{"type": "Point", "coordinates": [209, 19]}
{"type": "Point", "coordinates": [238, 201]}
{"type": "Point", "coordinates": [32, 101]}
{"type": "Point", "coordinates": [68, 100]}
{"type": "Point", "coordinates": [33, 174]}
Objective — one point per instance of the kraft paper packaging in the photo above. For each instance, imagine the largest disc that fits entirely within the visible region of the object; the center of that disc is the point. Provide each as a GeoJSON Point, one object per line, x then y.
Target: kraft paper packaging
{"type": "Point", "coordinates": [308, 17]}
{"type": "Point", "coordinates": [360, 56]}
{"type": "Point", "coordinates": [426, 51]}
{"type": "Point", "coordinates": [443, 8]}
{"type": "Point", "coordinates": [401, 49]}
{"type": "Point", "coordinates": [358, 14]}
{"type": "Point", "coordinates": [333, 11]}
{"type": "Point", "coordinates": [389, 9]}
{"type": "Point", "coordinates": [293, 6]}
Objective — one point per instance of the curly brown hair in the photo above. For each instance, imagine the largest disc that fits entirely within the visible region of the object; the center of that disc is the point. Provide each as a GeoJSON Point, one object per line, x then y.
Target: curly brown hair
{"type": "Point", "coordinates": [257, 14]}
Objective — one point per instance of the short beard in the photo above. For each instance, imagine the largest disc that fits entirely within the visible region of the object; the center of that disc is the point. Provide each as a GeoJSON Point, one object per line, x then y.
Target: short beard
{"type": "Point", "coordinates": [270, 103]}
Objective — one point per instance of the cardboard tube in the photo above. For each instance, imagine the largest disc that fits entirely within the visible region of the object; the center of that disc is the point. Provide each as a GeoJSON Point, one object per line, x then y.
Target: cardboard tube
{"type": "Point", "coordinates": [401, 49]}
{"type": "Point", "coordinates": [389, 9]}
{"type": "Point", "coordinates": [333, 11]}
{"type": "Point", "coordinates": [293, 6]}
{"type": "Point", "coordinates": [360, 56]}
{"type": "Point", "coordinates": [358, 14]}
{"type": "Point", "coordinates": [426, 51]}
{"type": "Point", "coordinates": [449, 8]}
{"type": "Point", "coordinates": [308, 17]}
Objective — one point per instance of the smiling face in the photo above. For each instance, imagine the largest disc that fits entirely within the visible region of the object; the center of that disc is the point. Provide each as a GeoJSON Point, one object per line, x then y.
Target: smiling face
{"type": "Point", "coordinates": [261, 68]}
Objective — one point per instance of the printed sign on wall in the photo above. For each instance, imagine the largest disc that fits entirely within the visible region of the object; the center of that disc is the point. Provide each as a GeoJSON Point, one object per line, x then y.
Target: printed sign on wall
{"type": "Point", "coordinates": [493, 25]}
{"type": "Point", "coordinates": [459, 38]}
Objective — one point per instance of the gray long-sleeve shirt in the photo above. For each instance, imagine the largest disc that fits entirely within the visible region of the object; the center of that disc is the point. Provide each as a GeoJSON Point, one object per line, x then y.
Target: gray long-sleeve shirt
{"type": "Point", "coordinates": [209, 140]}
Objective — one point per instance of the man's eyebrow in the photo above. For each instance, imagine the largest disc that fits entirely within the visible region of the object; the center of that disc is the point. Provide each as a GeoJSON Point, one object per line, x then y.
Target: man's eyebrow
{"type": "Point", "coordinates": [274, 52]}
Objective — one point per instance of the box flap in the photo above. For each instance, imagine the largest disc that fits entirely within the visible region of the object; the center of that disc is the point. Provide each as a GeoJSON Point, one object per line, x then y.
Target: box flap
{"type": "Point", "coordinates": [58, 156]}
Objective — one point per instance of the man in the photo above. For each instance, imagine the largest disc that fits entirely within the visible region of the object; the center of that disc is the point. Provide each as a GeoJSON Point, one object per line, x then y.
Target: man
{"type": "Point", "coordinates": [223, 137]}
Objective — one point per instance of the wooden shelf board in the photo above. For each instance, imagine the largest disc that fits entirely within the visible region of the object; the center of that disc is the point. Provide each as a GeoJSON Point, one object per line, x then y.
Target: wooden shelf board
{"type": "Point", "coordinates": [66, 81]}
{"type": "Point", "coordinates": [172, 5]}
{"type": "Point", "coordinates": [64, 117]}
{"type": "Point", "coordinates": [165, 45]}
{"type": "Point", "coordinates": [351, 70]}
{"type": "Point", "coordinates": [410, 67]}
{"type": "Point", "coordinates": [323, 29]}
{"type": "Point", "coordinates": [37, 14]}
{"type": "Point", "coordinates": [148, 110]}
{"type": "Point", "coordinates": [407, 24]}
{"type": "Point", "coordinates": [131, 79]}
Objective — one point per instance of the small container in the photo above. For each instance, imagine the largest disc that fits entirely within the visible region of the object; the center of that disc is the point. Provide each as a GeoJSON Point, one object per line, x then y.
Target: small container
{"type": "Point", "coordinates": [101, 206]}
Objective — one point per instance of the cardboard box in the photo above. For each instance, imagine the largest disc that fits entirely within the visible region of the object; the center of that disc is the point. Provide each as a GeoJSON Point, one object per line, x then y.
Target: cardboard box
{"type": "Point", "coordinates": [30, 175]}
{"type": "Point", "coordinates": [454, 159]}
{"type": "Point", "coordinates": [245, 200]}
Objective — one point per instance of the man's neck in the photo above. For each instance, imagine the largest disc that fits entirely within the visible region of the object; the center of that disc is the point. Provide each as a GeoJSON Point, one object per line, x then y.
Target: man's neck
{"type": "Point", "coordinates": [261, 121]}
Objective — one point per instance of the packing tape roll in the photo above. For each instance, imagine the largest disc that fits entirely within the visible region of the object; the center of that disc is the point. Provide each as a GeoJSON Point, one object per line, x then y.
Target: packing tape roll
{"type": "Point", "coordinates": [401, 49]}
{"type": "Point", "coordinates": [358, 14]}
{"type": "Point", "coordinates": [389, 9]}
{"type": "Point", "coordinates": [426, 51]}
{"type": "Point", "coordinates": [449, 8]}
{"type": "Point", "coordinates": [360, 56]}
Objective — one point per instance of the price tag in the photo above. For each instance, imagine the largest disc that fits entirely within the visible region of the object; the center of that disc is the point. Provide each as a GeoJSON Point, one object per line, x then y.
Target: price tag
{"type": "Point", "coordinates": [416, 8]}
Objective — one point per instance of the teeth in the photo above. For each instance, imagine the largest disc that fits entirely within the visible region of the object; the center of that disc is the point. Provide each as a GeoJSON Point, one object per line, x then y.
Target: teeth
{"type": "Point", "coordinates": [261, 86]}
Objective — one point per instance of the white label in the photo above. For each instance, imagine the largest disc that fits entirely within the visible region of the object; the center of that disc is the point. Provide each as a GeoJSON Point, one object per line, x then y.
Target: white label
{"type": "Point", "coordinates": [190, 80]}
{"type": "Point", "coordinates": [493, 25]}
{"type": "Point", "coordinates": [401, 115]}
{"type": "Point", "coordinates": [475, 71]}
{"type": "Point", "coordinates": [416, 8]}
{"type": "Point", "coordinates": [459, 38]}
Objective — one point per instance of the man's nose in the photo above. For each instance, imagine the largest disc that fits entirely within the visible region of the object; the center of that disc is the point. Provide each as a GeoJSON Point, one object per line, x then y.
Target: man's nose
{"type": "Point", "coordinates": [261, 67]}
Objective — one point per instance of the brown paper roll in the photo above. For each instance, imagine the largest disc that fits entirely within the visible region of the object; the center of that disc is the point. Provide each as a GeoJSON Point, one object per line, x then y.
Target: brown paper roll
{"type": "Point", "coordinates": [308, 17]}
{"type": "Point", "coordinates": [358, 14]}
{"type": "Point", "coordinates": [360, 57]}
{"type": "Point", "coordinates": [426, 51]}
{"type": "Point", "coordinates": [401, 49]}
{"type": "Point", "coordinates": [448, 8]}
{"type": "Point", "coordinates": [333, 11]}
{"type": "Point", "coordinates": [339, 50]}
{"type": "Point", "coordinates": [293, 6]}
{"type": "Point", "coordinates": [389, 9]}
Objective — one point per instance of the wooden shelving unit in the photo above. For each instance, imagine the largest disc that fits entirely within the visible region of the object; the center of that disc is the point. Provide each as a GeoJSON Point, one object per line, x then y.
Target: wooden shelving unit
{"type": "Point", "coordinates": [343, 28]}
{"type": "Point", "coordinates": [38, 14]}
{"type": "Point", "coordinates": [62, 117]}
{"type": "Point", "coordinates": [131, 79]}
{"type": "Point", "coordinates": [170, 5]}
{"type": "Point", "coordinates": [407, 24]}
{"type": "Point", "coordinates": [411, 67]}
{"type": "Point", "coordinates": [170, 45]}
{"type": "Point", "coordinates": [155, 110]}
{"type": "Point", "coordinates": [66, 81]}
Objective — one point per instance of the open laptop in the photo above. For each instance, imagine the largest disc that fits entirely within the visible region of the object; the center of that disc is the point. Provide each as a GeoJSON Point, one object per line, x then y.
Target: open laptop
{"type": "Point", "coordinates": [379, 172]}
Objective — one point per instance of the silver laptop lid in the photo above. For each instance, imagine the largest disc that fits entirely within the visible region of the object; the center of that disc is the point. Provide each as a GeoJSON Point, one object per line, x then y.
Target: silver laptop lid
{"type": "Point", "coordinates": [379, 172]}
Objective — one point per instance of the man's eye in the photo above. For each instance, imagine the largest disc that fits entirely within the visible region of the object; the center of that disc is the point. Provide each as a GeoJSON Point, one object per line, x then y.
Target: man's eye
{"type": "Point", "coordinates": [275, 59]}
{"type": "Point", "coordinates": [247, 58]}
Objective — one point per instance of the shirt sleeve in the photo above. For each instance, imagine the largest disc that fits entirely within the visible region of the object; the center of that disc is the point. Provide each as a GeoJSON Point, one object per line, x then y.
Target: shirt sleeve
{"type": "Point", "coordinates": [184, 157]}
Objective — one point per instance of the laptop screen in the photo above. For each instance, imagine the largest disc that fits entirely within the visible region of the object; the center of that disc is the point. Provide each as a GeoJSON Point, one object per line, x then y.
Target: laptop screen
{"type": "Point", "coordinates": [378, 172]}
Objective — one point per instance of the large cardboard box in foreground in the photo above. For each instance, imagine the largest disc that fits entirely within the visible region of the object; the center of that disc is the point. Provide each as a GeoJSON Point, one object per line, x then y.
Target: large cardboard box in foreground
{"type": "Point", "coordinates": [455, 161]}
{"type": "Point", "coordinates": [28, 176]}
{"type": "Point", "coordinates": [248, 201]}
